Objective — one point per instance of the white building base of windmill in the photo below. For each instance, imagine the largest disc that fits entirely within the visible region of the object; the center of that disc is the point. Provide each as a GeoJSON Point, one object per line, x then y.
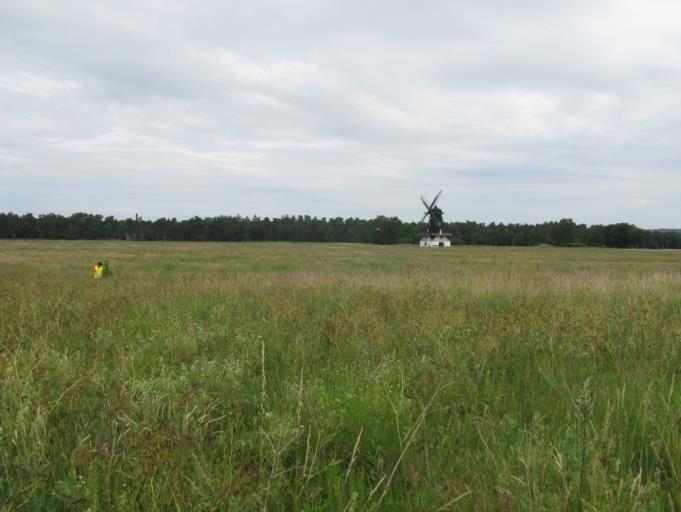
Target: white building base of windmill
{"type": "Point", "coordinates": [435, 240]}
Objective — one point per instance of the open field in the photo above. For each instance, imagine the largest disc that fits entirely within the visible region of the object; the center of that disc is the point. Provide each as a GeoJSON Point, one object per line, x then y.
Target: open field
{"type": "Point", "coordinates": [214, 376]}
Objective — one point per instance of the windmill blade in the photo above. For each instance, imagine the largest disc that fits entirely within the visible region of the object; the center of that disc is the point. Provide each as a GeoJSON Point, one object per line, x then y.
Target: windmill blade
{"type": "Point", "coordinates": [425, 203]}
{"type": "Point", "coordinates": [424, 216]}
{"type": "Point", "coordinates": [434, 200]}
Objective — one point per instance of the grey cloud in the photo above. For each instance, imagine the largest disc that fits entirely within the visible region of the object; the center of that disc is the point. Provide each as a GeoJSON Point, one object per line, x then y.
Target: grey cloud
{"type": "Point", "coordinates": [521, 111]}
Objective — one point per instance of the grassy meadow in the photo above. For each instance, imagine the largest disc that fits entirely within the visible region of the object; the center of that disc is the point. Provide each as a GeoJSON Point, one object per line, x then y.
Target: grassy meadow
{"type": "Point", "coordinates": [263, 376]}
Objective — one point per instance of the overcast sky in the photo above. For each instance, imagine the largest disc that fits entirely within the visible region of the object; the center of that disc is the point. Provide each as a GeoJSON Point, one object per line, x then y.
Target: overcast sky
{"type": "Point", "coordinates": [520, 111]}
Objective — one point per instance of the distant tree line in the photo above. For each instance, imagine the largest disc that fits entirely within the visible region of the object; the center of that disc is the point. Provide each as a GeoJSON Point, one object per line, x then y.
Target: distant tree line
{"type": "Point", "coordinates": [303, 228]}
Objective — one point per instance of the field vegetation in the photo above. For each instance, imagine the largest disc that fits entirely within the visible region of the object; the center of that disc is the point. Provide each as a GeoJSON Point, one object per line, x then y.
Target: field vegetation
{"type": "Point", "coordinates": [331, 377]}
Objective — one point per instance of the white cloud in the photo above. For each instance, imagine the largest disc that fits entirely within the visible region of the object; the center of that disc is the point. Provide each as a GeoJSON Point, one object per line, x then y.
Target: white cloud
{"type": "Point", "coordinates": [41, 87]}
{"type": "Point", "coordinates": [520, 111]}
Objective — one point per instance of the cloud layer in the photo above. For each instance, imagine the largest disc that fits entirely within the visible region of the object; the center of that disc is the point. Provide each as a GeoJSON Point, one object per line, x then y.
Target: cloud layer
{"type": "Point", "coordinates": [520, 111]}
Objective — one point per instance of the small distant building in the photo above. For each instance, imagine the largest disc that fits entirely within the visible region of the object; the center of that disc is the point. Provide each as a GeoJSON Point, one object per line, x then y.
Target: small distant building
{"type": "Point", "coordinates": [435, 240]}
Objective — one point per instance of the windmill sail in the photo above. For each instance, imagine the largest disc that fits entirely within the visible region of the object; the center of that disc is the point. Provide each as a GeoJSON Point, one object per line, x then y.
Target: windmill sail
{"type": "Point", "coordinates": [434, 214]}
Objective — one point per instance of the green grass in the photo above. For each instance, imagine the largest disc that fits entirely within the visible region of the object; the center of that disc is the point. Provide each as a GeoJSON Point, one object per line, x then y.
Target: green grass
{"type": "Point", "coordinates": [338, 377]}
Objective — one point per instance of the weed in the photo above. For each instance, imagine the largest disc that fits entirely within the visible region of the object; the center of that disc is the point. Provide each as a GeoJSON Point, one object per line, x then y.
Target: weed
{"type": "Point", "coordinates": [302, 377]}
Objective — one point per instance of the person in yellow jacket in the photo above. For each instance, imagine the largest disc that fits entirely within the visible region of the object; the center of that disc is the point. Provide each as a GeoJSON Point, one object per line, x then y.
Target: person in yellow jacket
{"type": "Point", "coordinates": [98, 269]}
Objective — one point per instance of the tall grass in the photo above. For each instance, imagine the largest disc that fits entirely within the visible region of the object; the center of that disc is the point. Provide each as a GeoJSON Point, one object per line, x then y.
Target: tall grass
{"type": "Point", "coordinates": [338, 377]}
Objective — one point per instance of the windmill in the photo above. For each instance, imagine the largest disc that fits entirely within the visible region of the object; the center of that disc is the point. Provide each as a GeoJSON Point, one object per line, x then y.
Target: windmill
{"type": "Point", "coordinates": [434, 237]}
